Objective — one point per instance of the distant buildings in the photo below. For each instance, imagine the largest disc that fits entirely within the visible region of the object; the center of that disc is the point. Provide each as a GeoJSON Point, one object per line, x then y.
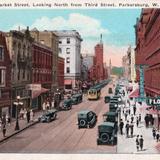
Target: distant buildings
{"type": "Point", "coordinates": [70, 49]}
{"type": "Point", "coordinates": [148, 49]}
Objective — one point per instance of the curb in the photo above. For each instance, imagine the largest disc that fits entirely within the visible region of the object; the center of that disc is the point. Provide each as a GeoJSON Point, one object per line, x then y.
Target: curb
{"type": "Point", "coordinates": [16, 132]}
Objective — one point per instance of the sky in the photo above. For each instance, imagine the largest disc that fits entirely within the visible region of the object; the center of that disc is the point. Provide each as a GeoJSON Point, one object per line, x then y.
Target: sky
{"type": "Point", "coordinates": [115, 25]}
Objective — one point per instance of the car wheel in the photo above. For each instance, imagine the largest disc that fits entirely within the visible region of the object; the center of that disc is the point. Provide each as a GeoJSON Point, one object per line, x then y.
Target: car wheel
{"type": "Point", "coordinates": [82, 122]}
{"type": "Point", "coordinates": [104, 137]}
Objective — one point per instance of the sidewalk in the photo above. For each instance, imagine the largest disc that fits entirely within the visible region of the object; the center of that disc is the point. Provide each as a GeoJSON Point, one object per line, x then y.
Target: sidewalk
{"type": "Point", "coordinates": [10, 130]}
{"type": "Point", "coordinates": [128, 145]}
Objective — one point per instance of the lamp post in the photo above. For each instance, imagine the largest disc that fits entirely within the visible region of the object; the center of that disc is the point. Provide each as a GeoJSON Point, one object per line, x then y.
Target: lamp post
{"type": "Point", "coordinates": [17, 103]}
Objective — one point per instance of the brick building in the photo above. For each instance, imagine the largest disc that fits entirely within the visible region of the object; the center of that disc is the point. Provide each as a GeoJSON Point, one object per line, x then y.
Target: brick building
{"type": "Point", "coordinates": [50, 39]}
{"type": "Point", "coordinates": [41, 72]}
{"type": "Point", "coordinates": [98, 71]}
{"type": "Point", "coordinates": [5, 77]}
{"type": "Point", "coordinates": [19, 45]}
{"type": "Point", "coordinates": [61, 72]}
{"type": "Point", "coordinates": [148, 48]}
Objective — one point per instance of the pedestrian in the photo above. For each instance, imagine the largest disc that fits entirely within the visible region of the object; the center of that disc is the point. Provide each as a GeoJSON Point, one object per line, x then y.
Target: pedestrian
{"type": "Point", "coordinates": [132, 118]}
{"type": "Point", "coordinates": [154, 132]}
{"type": "Point", "coordinates": [152, 120]}
{"type": "Point", "coordinates": [127, 129]}
{"type": "Point", "coordinates": [8, 120]}
{"type": "Point", "coordinates": [25, 114]}
{"type": "Point", "coordinates": [4, 130]}
{"type": "Point", "coordinates": [28, 116]}
{"type": "Point", "coordinates": [126, 114]}
{"type": "Point", "coordinates": [137, 142]}
{"type": "Point", "coordinates": [22, 113]}
{"type": "Point", "coordinates": [139, 118]}
{"type": "Point", "coordinates": [31, 115]}
{"type": "Point", "coordinates": [134, 109]}
{"type": "Point", "coordinates": [129, 111]}
{"type": "Point", "coordinates": [141, 141]}
{"type": "Point", "coordinates": [146, 119]}
{"type": "Point", "coordinates": [157, 137]}
{"type": "Point", "coordinates": [137, 121]}
{"type": "Point", "coordinates": [47, 105]}
{"type": "Point", "coordinates": [132, 128]}
{"type": "Point", "coordinates": [121, 127]}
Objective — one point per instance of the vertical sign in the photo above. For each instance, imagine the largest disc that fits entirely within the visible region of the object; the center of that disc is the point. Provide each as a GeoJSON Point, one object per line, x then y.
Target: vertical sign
{"type": "Point", "coordinates": [141, 87]}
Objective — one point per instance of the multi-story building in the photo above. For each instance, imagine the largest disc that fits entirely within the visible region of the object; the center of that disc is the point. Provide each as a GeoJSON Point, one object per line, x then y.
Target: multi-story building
{"type": "Point", "coordinates": [19, 46]}
{"type": "Point", "coordinates": [87, 63]}
{"type": "Point", "coordinates": [61, 72]}
{"type": "Point", "coordinates": [148, 49]}
{"type": "Point", "coordinates": [132, 65]}
{"type": "Point", "coordinates": [5, 77]}
{"type": "Point", "coordinates": [41, 73]}
{"type": "Point", "coordinates": [99, 61]}
{"type": "Point", "coordinates": [50, 39]}
{"type": "Point", "coordinates": [70, 49]}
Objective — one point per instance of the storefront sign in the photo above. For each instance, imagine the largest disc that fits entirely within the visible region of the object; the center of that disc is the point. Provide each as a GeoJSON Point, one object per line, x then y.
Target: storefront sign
{"type": "Point", "coordinates": [151, 101]}
{"type": "Point", "coordinates": [33, 87]}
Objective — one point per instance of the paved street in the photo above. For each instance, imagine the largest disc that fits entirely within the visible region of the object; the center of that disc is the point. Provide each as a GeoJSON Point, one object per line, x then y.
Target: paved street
{"type": "Point", "coordinates": [62, 135]}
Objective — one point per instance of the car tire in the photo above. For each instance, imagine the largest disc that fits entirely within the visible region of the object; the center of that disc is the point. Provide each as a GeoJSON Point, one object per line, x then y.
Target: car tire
{"type": "Point", "coordinates": [82, 122]}
{"type": "Point", "coordinates": [104, 137]}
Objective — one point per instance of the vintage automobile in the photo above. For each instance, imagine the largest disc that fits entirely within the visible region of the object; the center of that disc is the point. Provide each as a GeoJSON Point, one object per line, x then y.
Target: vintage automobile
{"type": "Point", "coordinates": [77, 98]}
{"type": "Point", "coordinates": [66, 104]}
{"type": "Point", "coordinates": [113, 107]}
{"type": "Point", "coordinates": [110, 117]}
{"type": "Point", "coordinates": [107, 99]}
{"type": "Point", "coordinates": [107, 133]}
{"type": "Point", "coordinates": [86, 119]}
{"type": "Point", "coordinates": [48, 116]}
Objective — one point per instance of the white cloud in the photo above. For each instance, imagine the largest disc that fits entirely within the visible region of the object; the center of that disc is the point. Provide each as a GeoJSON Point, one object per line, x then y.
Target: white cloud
{"type": "Point", "coordinates": [87, 26]}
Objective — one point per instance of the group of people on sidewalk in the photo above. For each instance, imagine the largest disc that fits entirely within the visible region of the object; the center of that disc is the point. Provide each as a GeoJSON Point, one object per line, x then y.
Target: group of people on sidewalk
{"type": "Point", "coordinates": [131, 117]}
{"type": "Point", "coordinates": [26, 114]}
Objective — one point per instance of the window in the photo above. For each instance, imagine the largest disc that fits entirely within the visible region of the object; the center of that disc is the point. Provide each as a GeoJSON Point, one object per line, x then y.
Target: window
{"type": "Point", "coordinates": [68, 70]}
{"type": "Point", "coordinates": [60, 42]}
{"type": "Point", "coordinates": [2, 77]}
{"type": "Point", "coordinates": [68, 50]}
{"type": "Point", "coordinates": [68, 40]}
{"type": "Point", "coordinates": [24, 74]}
{"type": "Point", "coordinates": [67, 60]}
{"type": "Point", "coordinates": [60, 50]}
{"type": "Point", "coordinates": [1, 53]}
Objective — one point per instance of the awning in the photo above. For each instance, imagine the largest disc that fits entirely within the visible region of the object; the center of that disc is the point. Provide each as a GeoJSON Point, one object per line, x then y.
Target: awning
{"type": "Point", "coordinates": [67, 81]}
{"type": "Point", "coordinates": [37, 93]}
{"type": "Point", "coordinates": [134, 94]}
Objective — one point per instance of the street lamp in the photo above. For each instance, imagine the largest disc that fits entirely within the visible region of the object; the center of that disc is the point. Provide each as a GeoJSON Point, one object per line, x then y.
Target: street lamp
{"type": "Point", "coordinates": [17, 104]}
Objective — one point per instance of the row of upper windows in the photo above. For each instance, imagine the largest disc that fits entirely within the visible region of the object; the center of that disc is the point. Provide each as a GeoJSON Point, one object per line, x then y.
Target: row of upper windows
{"type": "Point", "coordinates": [68, 41]}
{"type": "Point", "coordinates": [67, 50]}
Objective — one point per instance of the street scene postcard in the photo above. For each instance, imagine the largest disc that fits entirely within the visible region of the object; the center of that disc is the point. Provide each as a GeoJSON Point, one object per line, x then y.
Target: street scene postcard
{"type": "Point", "coordinates": [80, 77]}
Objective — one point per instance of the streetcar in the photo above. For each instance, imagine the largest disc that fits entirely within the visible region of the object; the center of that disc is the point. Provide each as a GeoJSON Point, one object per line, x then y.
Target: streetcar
{"type": "Point", "coordinates": [94, 93]}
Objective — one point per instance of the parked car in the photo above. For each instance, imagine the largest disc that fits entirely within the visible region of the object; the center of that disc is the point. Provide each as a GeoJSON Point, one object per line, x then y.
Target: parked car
{"type": "Point", "coordinates": [107, 99]}
{"type": "Point", "coordinates": [113, 107]}
{"type": "Point", "coordinates": [77, 98]}
{"type": "Point", "coordinates": [66, 104]}
{"type": "Point", "coordinates": [110, 117]}
{"type": "Point", "coordinates": [48, 116]}
{"type": "Point", "coordinates": [107, 133]}
{"type": "Point", "coordinates": [86, 118]}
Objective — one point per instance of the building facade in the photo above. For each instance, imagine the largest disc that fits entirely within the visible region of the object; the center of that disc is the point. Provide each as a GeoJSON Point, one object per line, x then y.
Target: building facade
{"type": "Point", "coordinates": [70, 49]}
{"type": "Point", "coordinates": [41, 73]}
{"type": "Point", "coordinates": [50, 39]}
{"type": "Point", "coordinates": [61, 72]}
{"type": "Point", "coordinates": [148, 49]}
{"type": "Point", "coordinates": [19, 46]}
{"type": "Point", "coordinates": [5, 78]}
